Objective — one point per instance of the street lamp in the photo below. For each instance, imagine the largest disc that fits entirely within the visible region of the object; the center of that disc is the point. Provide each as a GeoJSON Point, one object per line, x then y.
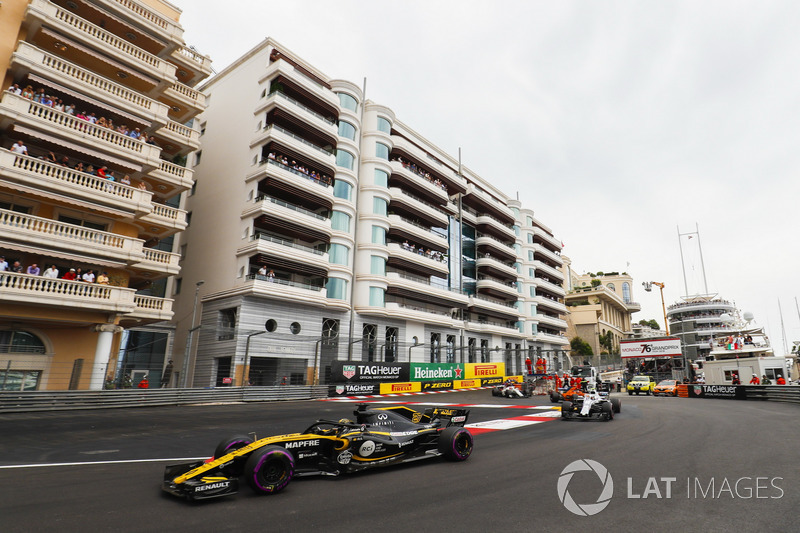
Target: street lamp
{"type": "Point", "coordinates": [416, 343]}
{"type": "Point", "coordinates": [246, 378]}
{"type": "Point", "coordinates": [648, 286]}
{"type": "Point", "coordinates": [190, 334]}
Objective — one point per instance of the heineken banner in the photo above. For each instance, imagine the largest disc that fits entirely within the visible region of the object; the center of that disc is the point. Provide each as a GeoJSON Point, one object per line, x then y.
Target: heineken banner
{"type": "Point", "coordinates": [368, 371]}
{"type": "Point", "coordinates": [436, 371]}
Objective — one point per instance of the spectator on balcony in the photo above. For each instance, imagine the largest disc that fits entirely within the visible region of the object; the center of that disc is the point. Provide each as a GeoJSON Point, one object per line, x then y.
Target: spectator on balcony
{"type": "Point", "coordinates": [102, 279]}
{"type": "Point", "coordinates": [58, 104]}
{"type": "Point", "coordinates": [51, 272]}
{"type": "Point", "coordinates": [79, 167]}
{"type": "Point", "coordinates": [90, 170]}
{"type": "Point", "coordinates": [91, 118]}
{"type": "Point", "coordinates": [135, 133]}
{"type": "Point", "coordinates": [151, 140]}
{"type": "Point", "coordinates": [20, 148]}
{"type": "Point", "coordinates": [14, 89]}
{"type": "Point", "coordinates": [142, 185]}
{"type": "Point", "coordinates": [102, 122]}
{"type": "Point", "coordinates": [3, 264]}
{"type": "Point", "coordinates": [88, 277]}
{"type": "Point", "coordinates": [39, 95]}
{"type": "Point", "coordinates": [270, 275]}
{"type": "Point", "coordinates": [262, 271]}
{"type": "Point", "coordinates": [82, 115]}
{"type": "Point", "coordinates": [64, 161]}
{"type": "Point", "coordinates": [27, 92]}
{"type": "Point", "coordinates": [79, 275]}
{"type": "Point", "coordinates": [70, 109]}
{"type": "Point", "coordinates": [101, 172]}
{"type": "Point", "coordinates": [71, 275]}
{"type": "Point", "coordinates": [16, 267]}
{"type": "Point", "coordinates": [126, 180]}
{"type": "Point", "coordinates": [110, 124]}
{"type": "Point", "coordinates": [33, 270]}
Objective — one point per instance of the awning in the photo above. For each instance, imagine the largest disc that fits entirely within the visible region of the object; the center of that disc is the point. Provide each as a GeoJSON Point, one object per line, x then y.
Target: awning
{"type": "Point", "coordinates": [92, 101]}
{"type": "Point", "coordinates": [49, 252]}
{"type": "Point", "coordinates": [79, 148]}
{"type": "Point", "coordinates": [98, 56]}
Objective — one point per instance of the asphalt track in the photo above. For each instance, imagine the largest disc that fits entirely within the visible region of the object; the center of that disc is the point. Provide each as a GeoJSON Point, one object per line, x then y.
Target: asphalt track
{"type": "Point", "coordinates": [729, 465]}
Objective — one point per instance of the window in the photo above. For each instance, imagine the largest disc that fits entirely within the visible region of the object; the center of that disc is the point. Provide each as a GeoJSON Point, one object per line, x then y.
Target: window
{"type": "Point", "coordinates": [390, 351]}
{"type": "Point", "coordinates": [519, 287]}
{"type": "Point", "coordinates": [378, 235]}
{"type": "Point", "coordinates": [534, 329]}
{"type": "Point", "coordinates": [347, 130]}
{"type": "Point", "coordinates": [436, 347]}
{"type": "Point", "coordinates": [188, 218]}
{"type": "Point", "coordinates": [178, 283]}
{"type": "Point", "coordinates": [343, 190]}
{"type": "Point", "coordinates": [340, 221]}
{"type": "Point", "coordinates": [376, 297]}
{"type": "Point", "coordinates": [533, 309]}
{"type": "Point", "coordinates": [531, 273]}
{"type": "Point", "coordinates": [295, 328]}
{"type": "Point", "coordinates": [384, 125]}
{"type": "Point", "coordinates": [533, 291]}
{"type": "Point", "coordinates": [16, 208]}
{"type": "Point", "coordinates": [529, 221]}
{"type": "Point", "coordinates": [611, 287]}
{"type": "Point", "coordinates": [484, 351]}
{"type": "Point", "coordinates": [451, 348]}
{"type": "Point", "coordinates": [227, 324]}
{"type": "Point", "coordinates": [197, 157]}
{"type": "Point", "coordinates": [337, 288]}
{"type": "Point", "coordinates": [516, 230]}
{"type": "Point", "coordinates": [347, 101]}
{"type": "Point", "coordinates": [12, 341]}
{"type": "Point", "coordinates": [530, 255]}
{"type": "Point", "coordinates": [345, 159]}
{"type": "Point", "coordinates": [19, 380]}
{"type": "Point", "coordinates": [471, 349]}
{"type": "Point", "coordinates": [369, 343]}
{"type": "Point", "coordinates": [87, 223]}
{"type": "Point", "coordinates": [380, 206]}
{"type": "Point", "coordinates": [382, 151]}
{"type": "Point", "coordinates": [626, 292]}
{"type": "Point", "coordinates": [339, 254]}
{"type": "Point", "coordinates": [377, 265]}
{"type": "Point", "coordinates": [381, 178]}
{"type": "Point", "coordinates": [193, 190]}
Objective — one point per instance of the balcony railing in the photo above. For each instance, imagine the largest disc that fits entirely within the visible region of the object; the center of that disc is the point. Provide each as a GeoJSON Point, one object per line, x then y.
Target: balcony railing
{"type": "Point", "coordinates": [293, 171]}
{"type": "Point", "coordinates": [420, 226]}
{"type": "Point", "coordinates": [161, 257]}
{"type": "Point", "coordinates": [275, 127]}
{"type": "Point", "coordinates": [286, 242]}
{"type": "Point", "coordinates": [201, 62]}
{"type": "Point", "coordinates": [426, 281]}
{"type": "Point", "coordinates": [495, 239]}
{"type": "Point", "coordinates": [287, 205]}
{"type": "Point", "coordinates": [494, 301]}
{"type": "Point", "coordinates": [26, 287]}
{"type": "Point", "coordinates": [301, 106]}
{"type": "Point", "coordinates": [288, 283]}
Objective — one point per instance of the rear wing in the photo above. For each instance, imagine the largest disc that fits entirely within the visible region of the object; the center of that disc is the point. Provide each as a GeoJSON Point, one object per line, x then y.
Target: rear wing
{"type": "Point", "coordinates": [454, 417]}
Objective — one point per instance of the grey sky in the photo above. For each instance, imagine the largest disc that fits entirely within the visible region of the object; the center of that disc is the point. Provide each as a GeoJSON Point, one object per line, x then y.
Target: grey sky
{"type": "Point", "coordinates": [616, 122]}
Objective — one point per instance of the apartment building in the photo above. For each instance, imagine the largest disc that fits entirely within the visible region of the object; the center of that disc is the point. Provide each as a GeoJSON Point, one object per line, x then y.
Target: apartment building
{"type": "Point", "coordinates": [600, 306]}
{"type": "Point", "coordinates": [323, 227]}
{"type": "Point", "coordinates": [93, 90]}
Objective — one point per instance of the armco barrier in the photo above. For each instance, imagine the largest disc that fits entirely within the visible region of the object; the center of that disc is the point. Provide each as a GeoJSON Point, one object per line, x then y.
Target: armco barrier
{"type": "Point", "coordinates": [773, 393]}
{"type": "Point", "coordinates": [29, 401]}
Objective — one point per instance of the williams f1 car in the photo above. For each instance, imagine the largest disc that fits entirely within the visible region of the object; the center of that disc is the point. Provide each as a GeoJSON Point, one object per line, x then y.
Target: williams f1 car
{"type": "Point", "coordinates": [378, 437]}
{"type": "Point", "coordinates": [513, 389]}
{"type": "Point", "coordinates": [592, 405]}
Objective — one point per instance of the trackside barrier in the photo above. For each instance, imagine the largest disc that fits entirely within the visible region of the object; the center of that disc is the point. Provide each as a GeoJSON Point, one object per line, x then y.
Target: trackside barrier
{"type": "Point", "coordinates": [773, 393]}
{"type": "Point", "coordinates": [29, 401]}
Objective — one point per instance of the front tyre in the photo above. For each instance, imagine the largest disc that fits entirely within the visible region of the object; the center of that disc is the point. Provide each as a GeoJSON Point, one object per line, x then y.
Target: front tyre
{"type": "Point", "coordinates": [616, 405]}
{"type": "Point", "coordinates": [232, 443]}
{"type": "Point", "coordinates": [608, 412]}
{"type": "Point", "coordinates": [269, 469]}
{"type": "Point", "coordinates": [555, 396]}
{"type": "Point", "coordinates": [566, 410]}
{"type": "Point", "coordinates": [455, 443]}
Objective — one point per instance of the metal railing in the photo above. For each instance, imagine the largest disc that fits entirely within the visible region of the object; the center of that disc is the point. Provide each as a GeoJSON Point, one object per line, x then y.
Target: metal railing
{"type": "Point", "coordinates": [282, 203]}
{"type": "Point", "coordinates": [286, 242]}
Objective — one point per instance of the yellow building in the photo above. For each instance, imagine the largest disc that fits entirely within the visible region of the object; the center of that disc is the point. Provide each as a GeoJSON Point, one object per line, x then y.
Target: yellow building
{"type": "Point", "coordinates": [92, 90]}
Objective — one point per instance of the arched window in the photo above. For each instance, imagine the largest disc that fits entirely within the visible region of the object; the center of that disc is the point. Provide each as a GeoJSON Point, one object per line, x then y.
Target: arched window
{"type": "Point", "coordinates": [611, 287]}
{"type": "Point", "coordinates": [20, 342]}
{"type": "Point", "coordinates": [626, 292]}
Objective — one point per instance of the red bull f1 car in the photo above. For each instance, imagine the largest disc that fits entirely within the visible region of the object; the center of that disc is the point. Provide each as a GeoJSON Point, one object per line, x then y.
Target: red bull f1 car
{"type": "Point", "coordinates": [377, 437]}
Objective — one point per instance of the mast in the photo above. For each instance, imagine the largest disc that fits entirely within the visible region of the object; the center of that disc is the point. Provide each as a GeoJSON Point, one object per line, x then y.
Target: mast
{"type": "Point", "coordinates": [702, 264]}
{"type": "Point", "coordinates": [683, 264]}
{"type": "Point", "coordinates": [783, 329]}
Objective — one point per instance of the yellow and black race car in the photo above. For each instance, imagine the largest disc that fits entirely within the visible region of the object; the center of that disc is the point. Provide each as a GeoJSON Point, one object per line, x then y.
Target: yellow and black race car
{"type": "Point", "coordinates": [378, 437]}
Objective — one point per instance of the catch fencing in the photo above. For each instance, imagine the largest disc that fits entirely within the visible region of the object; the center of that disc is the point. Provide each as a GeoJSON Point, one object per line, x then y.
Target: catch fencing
{"type": "Point", "coordinates": [30, 401]}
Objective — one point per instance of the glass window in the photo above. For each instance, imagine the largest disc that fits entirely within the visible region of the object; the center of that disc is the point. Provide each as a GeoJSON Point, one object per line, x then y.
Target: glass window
{"type": "Point", "coordinates": [611, 286]}
{"type": "Point", "coordinates": [344, 159]}
{"type": "Point", "coordinates": [516, 230]}
{"type": "Point", "coordinates": [531, 273]}
{"type": "Point", "coordinates": [382, 151]}
{"type": "Point", "coordinates": [533, 309]}
{"type": "Point", "coordinates": [347, 101]}
{"type": "Point", "coordinates": [626, 292]}
{"type": "Point", "coordinates": [530, 238]}
{"type": "Point", "coordinates": [339, 254]}
{"type": "Point", "coordinates": [530, 255]}
{"type": "Point", "coordinates": [381, 178]}
{"type": "Point", "coordinates": [340, 221]}
{"type": "Point", "coordinates": [20, 342]}
{"type": "Point", "coordinates": [376, 297]}
{"type": "Point", "coordinates": [379, 235]}
{"type": "Point", "coordinates": [380, 207]}
{"type": "Point", "coordinates": [347, 130]}
{"type": "Point", "coordinates": [533, 291]}
{"type": "Point", "coordinates": [534, 329]}
{"type": "Point", "coordinates": [337, 288]}
{"type": "Point", "coordinates": [530, 221]}
{"type": "Point", "coordinates": [377, 265]}
{"type": "Point", "coordinates": [343, 190]}
{"type": "Point", "coordinates": [384, 125]}
{"type": "Point", "coordinates": [519, 287]}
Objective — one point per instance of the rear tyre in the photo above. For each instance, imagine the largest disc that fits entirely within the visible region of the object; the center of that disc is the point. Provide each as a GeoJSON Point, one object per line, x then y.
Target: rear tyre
{"type": "Point", "coordinates": [566, 410]}
{"type": "Point", "coordinates": [495, 392]}
{"type": "Point", "coordinates": [269, 469]}
{"type": "Point", "coordinates": [555, 396]}
{"type": "Point", "coordinates": [608, 411]}
{"type": "Point", "coordinates": [455, 443]}
{"type": "Point", "coordinates": [616, 405]}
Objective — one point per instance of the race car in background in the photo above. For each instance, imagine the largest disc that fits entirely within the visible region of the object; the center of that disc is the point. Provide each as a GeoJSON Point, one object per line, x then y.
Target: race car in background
{"type": "Point", "coordinates": [511, 388]}
{"type": "Point", "coordinates": [592, 405]}
{"type": "Point", "coordinates": [378, 437]}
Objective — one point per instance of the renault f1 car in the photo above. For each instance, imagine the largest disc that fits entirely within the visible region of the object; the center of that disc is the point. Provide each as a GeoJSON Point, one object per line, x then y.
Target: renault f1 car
{"type": "Point", "coordinates": [378, 437]}
{"type": "Point", "coordinates": [591, 406]}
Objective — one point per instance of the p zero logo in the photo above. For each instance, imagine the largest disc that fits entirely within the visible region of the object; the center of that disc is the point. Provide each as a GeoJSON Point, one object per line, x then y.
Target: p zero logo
{"type": "Point", "coordinates": [349, 371]}
{"type": "Point", "coordinates": [401, 387]}
{"type": "Point", "coordinates": [485, 370]}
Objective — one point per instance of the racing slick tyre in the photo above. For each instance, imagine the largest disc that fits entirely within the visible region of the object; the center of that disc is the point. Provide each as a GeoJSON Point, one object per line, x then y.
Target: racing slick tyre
{"type": "Point", "coordinates": [555, 396]}
{"type": "Point", "coordinates": [269, 469]}
{"type": "Point", "coordinates": [608, 411]}
{"type": "Point", "coordinates": [234, 442]}
{"type": "Point", "coordinates": [616, 405]}
{"type": "Point", "coordinates": [496, 392]}
{"type": "Point", "coordinates": [566, 410]}
{"type": "Point", "coordinates": [455, 443]}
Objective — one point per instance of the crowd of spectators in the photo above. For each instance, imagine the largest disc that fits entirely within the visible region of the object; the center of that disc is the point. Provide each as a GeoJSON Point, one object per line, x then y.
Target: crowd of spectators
{"type": "Point", "coordinates": [421, 173]}
{"type": "Point", "coordinates": [430, 254]}
{"type": "Point", "coordinates": [73, 274]}
{"type": "Point", "coordinates": [299, 169]}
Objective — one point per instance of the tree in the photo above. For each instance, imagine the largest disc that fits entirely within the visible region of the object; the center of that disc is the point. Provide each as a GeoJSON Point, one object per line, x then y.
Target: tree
{"type": "Point", "coordinates": [652, 323]}
{"type": "Point", "coordinates": [580, 346]}
{"type": "Point", "coordinates": [596, 282]}
{"type": "Point", "coordinates": [606, 341]}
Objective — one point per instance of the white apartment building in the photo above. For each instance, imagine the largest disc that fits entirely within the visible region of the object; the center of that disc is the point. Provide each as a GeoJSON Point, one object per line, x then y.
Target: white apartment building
{"type": "Point", "coordinates": [75, 72]}
{"type": "Point", "coordinates": [323, 227]}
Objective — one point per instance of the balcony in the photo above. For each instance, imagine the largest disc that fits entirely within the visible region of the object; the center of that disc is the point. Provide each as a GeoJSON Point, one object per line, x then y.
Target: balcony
{"type": "Point", "coordinates": [551, 321]}
{"type": "Point", "coordinates": [285, 290]}
{"type": "Point", "coordinates": [153, 22]}
{"type": "Point", "coordinates": [159, 261]}
{"type": "Point", "coordinates": [542, 268]}
{"type": "Point", "coordinates": [67, 130]}
{"type": "Point", "coordinates": [498, 288]}
{"type": "Point", "coordinates": [418, 313]}
{"type": "Point", "coordinates": [417, 232]}
{"type": "Point", "coordinates": [151, 308]}
{"type": "Point", "coordinates": [42, 178]}
{"type": "Point", "coordinates": [557, 340]}
{"type": "Point", "coordinates": [301, 111]}
{"type": "Point", "coordinates": [421, 185]}
{"type": "Point", "coordinates": [64, 294]}
{"type": "Point", "coordinates": [417, 262]}
{"type": "Point", "coordinates": [286, 250]}
{"type": "Point", "coordinates": [483, 201]}
{"type": "Point", "coordinates": [184, 101]}
{"type": "Point", "coordinates": [301, 184]}
{"type": "Point", "coordinates": [44, 235]}
{"type": "Point", "coordinates": [304, 221]}
{"type": "Point", "coordinates": [496, 247]}
{"type": "Point", "coordinates": [413, 286]}
{"type": "Point", "coordinates": [164, 216]}
{"type": "Point", "coordinates": [28, 58]}
{"type": "Point", "coordinates": [494, 327]}
{"type": "Point", "coordinates": [552, 288]}
{"type": "Point", "coordinates": [633, 307]}
{"type": "Point", "coordinates": [488, 223]}
{"type": "Point", "coordinates": [424, 208]}
{"type": "Point", "coordinates": [458, 184]}
{"type": "Point", "coordinates": [540, 250]}
{"type": "Point", "coordinates": [196, 66]}
{"type": "Point", "coordinates": [282, 68]}
{"type": "Point", "coordinates": [495, 307]}
{"type": "Point", "coordinates": [543, 301]}
{"type": "Point", "coordinates": [542, 235]}
{"type": "Point", "coordinates": [63, 22]}
{"type": "Point", "coordinates": [491, 264]}
{"type": "Point", "coordinates": [284, 137]}
{"type": "Point", "coordinates": [174, 178]}
{"type": "Point", "coordinates": [184, 136]}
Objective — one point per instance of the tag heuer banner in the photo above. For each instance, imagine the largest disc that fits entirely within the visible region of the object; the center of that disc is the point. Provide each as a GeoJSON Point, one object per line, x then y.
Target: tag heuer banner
{"type": "Point", "coordinates": [368, 371]}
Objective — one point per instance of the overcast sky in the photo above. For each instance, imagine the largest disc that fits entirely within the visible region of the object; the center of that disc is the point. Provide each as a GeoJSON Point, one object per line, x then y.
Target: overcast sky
{"type": "Point", "coordinates": [617, 122]}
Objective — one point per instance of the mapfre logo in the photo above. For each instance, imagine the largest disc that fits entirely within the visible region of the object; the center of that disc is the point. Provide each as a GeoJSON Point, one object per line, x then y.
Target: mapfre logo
{"type": "Point", "coordinates": [401, 387]}
{"type": "Point", "coordinates": [586, 509]}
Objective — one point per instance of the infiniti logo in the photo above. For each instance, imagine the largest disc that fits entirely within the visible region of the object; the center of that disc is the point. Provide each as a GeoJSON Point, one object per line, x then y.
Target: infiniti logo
{"type": "Point", "coordinates": [587, 509]}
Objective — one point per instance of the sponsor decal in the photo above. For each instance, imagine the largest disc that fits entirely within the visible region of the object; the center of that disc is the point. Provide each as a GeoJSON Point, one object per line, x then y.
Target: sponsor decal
{"type": "Point", "coordinates": [731, 392]}
{"type": "Point", "coordinates": [457, 419]}
{"type": "Point", "coordinates": [344, 458]}
{"type": "Point", "coordinates": [467, 383]}
{"type": "Point", "coordinates": [401, 387]}
{"type": "Point", "coordinates": [416, 417]}
{"type": "Point", "coordinates": [366, 449]}
{"type": "Point", "coordinates": [492, 381]}
{"type": "Point", "coordinates": [485, 370]}
{"type": "Point", "coordinates": [406, 443]}
{"type": "Point", "coordinates": [212, 486]}
{"type": "Point", "coordinates": [402, 433]}
{"type": "Point", "coordinates": [429, 385]}
{"type": "Point", "coordinates": [432, 371]}
{"type": "Point", "coordinates": [306, 455]}
{"type": "Point", "coordinates": [379, 370]}
{"type": "Point", "coordinates": [445, 412]}
{"type": "Point", "coordinates": [302, 443]}
{"type": "Point", "coordinates": [340, 389]}
{"type": "Point", "coordinates": [349, 371]}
